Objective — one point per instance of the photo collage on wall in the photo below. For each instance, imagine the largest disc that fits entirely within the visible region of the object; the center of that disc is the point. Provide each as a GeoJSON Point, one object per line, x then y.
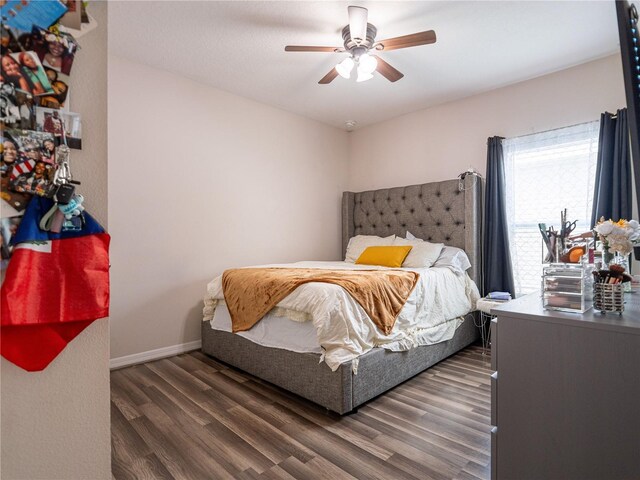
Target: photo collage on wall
{"type": "Point", "coordinates": [36, 64]}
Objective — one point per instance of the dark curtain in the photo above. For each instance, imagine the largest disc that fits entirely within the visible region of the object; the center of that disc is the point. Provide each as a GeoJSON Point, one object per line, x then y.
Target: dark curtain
{"type": "Point", "coordinates": [612, 191]}
{"type": "Point", "coordinates": [498, 272]}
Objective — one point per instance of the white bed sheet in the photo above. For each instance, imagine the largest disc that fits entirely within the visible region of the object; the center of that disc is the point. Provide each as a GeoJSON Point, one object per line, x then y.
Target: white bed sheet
{"type": "Point", "coordinates": [342, 329]}
{"type": "Point", "coordinates": [273, 331]}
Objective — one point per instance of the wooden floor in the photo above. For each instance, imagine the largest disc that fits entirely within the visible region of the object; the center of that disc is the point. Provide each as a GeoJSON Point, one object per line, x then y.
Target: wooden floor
{"type": "Point", "coordinates": [190, 417]}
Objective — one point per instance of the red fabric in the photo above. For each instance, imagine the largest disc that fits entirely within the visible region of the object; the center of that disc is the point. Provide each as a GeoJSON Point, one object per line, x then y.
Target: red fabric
{"type": "Point", "coordinates": [52, 291]}
{"type": "Point", "coordinates": [33, 347]}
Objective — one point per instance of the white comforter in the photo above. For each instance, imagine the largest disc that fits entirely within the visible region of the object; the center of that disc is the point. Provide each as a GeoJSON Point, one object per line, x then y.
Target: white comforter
{"type": "Point", "coordinates": [431, 314]}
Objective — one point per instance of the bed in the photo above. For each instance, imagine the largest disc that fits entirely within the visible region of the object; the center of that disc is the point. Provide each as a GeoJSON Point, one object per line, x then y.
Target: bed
{"type": "Point", "coordinates": [446, 212]}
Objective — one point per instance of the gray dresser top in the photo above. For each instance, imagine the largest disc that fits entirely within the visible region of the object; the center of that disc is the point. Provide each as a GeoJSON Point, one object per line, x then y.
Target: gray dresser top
{"type": "Point", "coordinates": [529, 307]}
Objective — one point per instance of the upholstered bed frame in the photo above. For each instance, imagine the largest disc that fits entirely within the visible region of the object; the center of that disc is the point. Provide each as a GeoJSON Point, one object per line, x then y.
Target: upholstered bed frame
{"type": "Point", "coordinates": [438, 212]}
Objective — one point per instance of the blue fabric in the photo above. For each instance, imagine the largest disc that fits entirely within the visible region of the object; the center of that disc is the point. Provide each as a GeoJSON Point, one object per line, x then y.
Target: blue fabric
{"type": "Point", "coordinates": [496, 257]}
{"type": "Point", "coordinates": [29, 231]}
{"type": "Point", "coordinates": [499, 296]}
{"type": "Point", "coordinates": [612, 191]}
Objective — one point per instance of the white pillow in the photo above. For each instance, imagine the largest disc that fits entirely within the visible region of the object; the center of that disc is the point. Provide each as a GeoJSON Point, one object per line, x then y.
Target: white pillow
{"type": "Point", "coordinates": [453, 258]}
{"type": "Point", "coordinates": [359, 243]}
{"type": "Point", "coordinates": [422, 255]}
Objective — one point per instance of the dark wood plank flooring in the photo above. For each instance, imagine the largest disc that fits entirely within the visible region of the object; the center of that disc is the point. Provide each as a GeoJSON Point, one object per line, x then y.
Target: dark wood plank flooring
{"type": "Point", "coordinates": [190, 417]}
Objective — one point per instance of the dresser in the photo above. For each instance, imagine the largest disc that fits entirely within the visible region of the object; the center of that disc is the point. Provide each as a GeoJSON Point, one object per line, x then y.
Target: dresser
{"type": "Point", "coordinates": [565, 392]}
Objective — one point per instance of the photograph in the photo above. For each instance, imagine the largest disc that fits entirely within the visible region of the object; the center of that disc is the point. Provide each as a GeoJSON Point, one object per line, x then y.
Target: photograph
{"type": "Point", "coordinates": [9, 110]}
{"type": "Point", "coordinates": [8, 154]}
{"type": "Point", "coordinates": [8, 159]}
{"type": "Point", "coordinates": [5, 39]}
{"type": "Point", "coordinates": [16, 108]}
{"type": "Point", "coordinates": [73, 17]}
{"type": "Point", "coordinates": [8, 228]}
{"type": "Point", "coordinates": [48, 151]}
{"type": "Point", "coordinates": [23, 15]}
{"type": "Point", "coordinates": [63, 125]}
{"type": "Point", "coordinates": [11, 73]}
{"type": "Point", "coordinates": [28, 161]}
{"type": "Point", "coordinates": [83, 13]}
{"type": "Point", "coordinates": [38, 181]}
{"type": "Point", "coordinates": [55, 51]}
{"type": "Point", "coordinates": [13, 41]}
{"type": "Point", "coordinates": [33, 71]}
{"type": "Point", "coordinates": [60, 84]}
{"type": "Point", "coordinates": [24, 71]}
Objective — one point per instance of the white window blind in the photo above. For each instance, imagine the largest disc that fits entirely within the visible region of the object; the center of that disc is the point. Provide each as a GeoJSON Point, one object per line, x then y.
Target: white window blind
{"type": "Point", "coordinates": [546, 173]}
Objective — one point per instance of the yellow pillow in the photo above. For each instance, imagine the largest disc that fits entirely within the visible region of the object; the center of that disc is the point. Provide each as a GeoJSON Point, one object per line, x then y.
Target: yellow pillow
{"type": "Point", "coordinates": [384, 256]}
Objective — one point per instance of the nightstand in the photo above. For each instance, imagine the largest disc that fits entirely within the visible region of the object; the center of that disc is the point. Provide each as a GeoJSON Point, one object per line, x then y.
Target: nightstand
{"type": "Point", "coordinates": [484, 305]}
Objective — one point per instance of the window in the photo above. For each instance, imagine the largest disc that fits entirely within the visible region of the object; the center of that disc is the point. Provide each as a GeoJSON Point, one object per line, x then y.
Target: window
{"type": "Point", "coordinates": [546, 173]}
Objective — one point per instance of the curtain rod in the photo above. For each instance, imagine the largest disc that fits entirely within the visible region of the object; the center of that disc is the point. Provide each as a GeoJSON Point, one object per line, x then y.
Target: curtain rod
{"type": "Point", "coordinates": [551, 130]}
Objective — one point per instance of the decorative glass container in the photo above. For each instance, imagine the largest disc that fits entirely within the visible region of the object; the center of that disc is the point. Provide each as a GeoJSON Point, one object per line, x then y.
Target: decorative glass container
{"type": "Point", "coordinates": [623, 261]}
{"type": "Point", "coordinates": [567, 287]}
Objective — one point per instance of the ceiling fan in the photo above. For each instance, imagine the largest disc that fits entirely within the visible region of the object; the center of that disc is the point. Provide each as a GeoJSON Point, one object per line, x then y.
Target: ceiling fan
{"type": "Point", "coordinates": [359, 41]}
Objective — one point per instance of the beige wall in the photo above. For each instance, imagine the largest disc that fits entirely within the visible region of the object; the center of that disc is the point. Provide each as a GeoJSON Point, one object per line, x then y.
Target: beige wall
{"type": "Point", "coordinates": [55, 423]}
{"type": "Point", "coordinates": [440, 142]}
{"type": "Point", "coordinates": [200, 181]}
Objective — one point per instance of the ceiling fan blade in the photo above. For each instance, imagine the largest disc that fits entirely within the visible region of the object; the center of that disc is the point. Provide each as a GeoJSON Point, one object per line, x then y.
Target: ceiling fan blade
{"type": "Point", "coordinates": [388, 71]}
{"type": "Point", "coordinates": [358, 17]}
{"type": "Point", "coordinates": [304, 48]}
{"type": "Point", "coordinates": [413, 40]}
{"type": "Point", "coordinates": [328, 78]}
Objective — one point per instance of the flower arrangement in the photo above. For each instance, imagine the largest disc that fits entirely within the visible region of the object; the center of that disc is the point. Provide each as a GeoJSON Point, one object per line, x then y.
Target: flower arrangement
{"type": "Point", "coordinates": [618, 237]}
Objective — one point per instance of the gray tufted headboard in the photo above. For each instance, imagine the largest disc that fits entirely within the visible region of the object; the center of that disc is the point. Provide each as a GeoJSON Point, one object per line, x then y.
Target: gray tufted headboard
{"type": "Point", "coordinates": [438, 212]}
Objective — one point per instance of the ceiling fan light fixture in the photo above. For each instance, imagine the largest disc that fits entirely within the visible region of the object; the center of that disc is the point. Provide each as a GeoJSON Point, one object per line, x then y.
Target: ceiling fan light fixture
{"type": "Point", "coordinates": [358, 24]}
{"type": "Point", "coordinates": [367, 63]}
{"type": "Point", "coordinates": [344, 67]}
{"type": "Point", "coordinates": [363, 76]}
{"type": "Point", "coordinates": [359, 38]}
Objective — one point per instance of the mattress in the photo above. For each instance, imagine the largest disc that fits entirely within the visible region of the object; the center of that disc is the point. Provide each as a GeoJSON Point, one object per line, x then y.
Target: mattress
{"type": "Point", "coordinates": [274, 330]}
{"type": "Point", "coordinates": [323, 318]}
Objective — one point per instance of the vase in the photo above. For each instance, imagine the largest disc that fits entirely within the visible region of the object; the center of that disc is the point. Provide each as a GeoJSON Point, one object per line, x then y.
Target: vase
{"type": "Point", "coordinates": [607, 257]}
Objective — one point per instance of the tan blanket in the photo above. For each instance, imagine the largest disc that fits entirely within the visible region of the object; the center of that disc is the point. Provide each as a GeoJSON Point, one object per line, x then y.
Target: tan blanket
{"type": "Point", "coordinates": [251, 292]}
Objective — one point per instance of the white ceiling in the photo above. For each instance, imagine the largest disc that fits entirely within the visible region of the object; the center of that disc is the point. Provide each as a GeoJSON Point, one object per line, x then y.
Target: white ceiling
{"type": "Point", "coordinates": [239, 47]}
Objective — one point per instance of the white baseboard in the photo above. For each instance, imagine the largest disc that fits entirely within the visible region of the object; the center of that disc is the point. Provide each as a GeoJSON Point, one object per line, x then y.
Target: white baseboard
{"type": "Point", "coordinates": [156, 354]}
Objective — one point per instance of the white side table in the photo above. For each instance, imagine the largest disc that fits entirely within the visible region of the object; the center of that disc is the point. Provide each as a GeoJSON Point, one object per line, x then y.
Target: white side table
{"type": "Point", "coordinates": [484, 305]}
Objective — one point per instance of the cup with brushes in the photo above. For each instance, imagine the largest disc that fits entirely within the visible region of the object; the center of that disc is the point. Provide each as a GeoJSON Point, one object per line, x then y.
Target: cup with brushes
{"type": "Point", "coordinates": [609, 287]}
